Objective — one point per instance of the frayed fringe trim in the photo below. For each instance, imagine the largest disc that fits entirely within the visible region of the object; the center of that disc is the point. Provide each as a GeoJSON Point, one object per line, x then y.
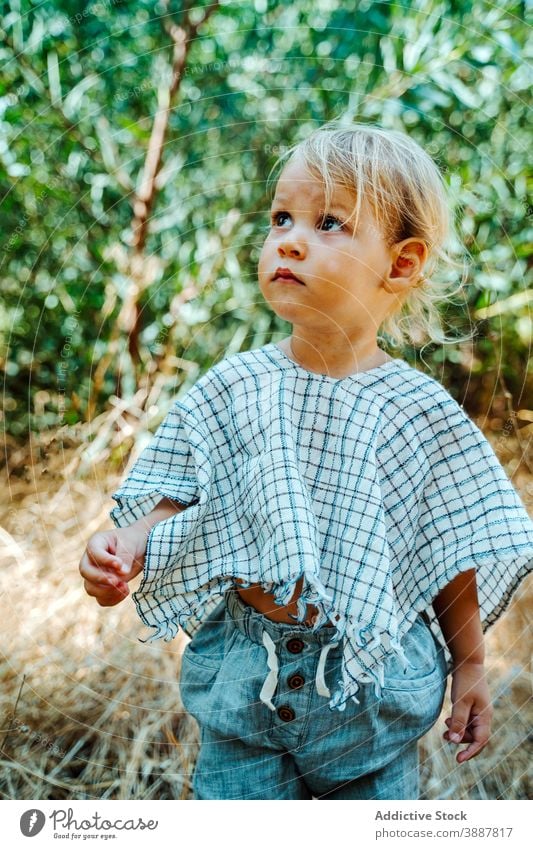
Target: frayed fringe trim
{"type": "Point", "coordinates": [368, 665]}
{"type": "Point", "coordinates": [313, 593]}
{"type": "Point", "coordinates": [168, 629]}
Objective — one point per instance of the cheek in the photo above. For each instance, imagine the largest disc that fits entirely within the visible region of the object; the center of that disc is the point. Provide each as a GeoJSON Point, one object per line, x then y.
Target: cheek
{"type": "Point", "coordinates": [338, 255]}
{"type": "Point", "coordinates": [263, 264]}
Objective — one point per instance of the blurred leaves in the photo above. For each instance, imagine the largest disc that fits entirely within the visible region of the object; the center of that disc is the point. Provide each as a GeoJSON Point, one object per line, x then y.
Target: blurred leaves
{"type": "Point", "coordinates": [78, 94]}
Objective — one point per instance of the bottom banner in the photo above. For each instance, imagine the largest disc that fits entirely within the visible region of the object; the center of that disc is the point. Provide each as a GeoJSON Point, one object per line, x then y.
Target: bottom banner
{"type": "Point", "coordinates": [238, 824]}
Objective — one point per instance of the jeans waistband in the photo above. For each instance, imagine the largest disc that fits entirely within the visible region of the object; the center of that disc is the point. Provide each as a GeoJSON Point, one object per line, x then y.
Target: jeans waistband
{"type": "Point", "coordinates": [253, 624]}
{"type": "Point", "coordinates": [260, 629]}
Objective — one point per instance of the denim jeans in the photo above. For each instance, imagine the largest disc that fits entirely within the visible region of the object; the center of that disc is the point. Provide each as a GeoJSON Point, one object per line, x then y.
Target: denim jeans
{"type": "Point", "coordinates": [259, 691]}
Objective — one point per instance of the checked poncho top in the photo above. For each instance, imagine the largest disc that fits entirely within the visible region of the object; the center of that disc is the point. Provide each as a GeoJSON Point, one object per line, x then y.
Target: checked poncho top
{"type": "Point", "coordinates": [377, 488]}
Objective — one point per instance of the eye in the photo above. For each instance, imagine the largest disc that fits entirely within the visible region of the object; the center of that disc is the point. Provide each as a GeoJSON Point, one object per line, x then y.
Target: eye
{"type": "Point", "coordinates": [331, 218]}
{"type": "Point", "coordinates": [276, 218]}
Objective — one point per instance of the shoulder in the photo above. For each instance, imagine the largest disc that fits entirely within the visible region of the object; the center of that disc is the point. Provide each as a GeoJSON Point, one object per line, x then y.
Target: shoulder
{"type": "Point", "coordinates": [420, 411]}
{"type": "Point", "coordinates": [420, 394]}
{"type": "Point", "coordinates": [242, 365]}
{"type": "Point", "coordinates": [230, 377]}
{"type": "Point", "coordinates": [234, 370]}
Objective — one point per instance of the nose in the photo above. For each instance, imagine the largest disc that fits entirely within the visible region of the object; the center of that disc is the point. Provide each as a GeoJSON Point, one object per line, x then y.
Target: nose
{"type": "Point", "coordinates": [292, 245]}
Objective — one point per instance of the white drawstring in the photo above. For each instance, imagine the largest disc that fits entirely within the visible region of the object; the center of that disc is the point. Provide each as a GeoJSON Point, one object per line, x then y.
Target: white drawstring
{"type": "Point", "coordinates": [269, 687]}
{"type": "Point", "coordinates": [321, 687]}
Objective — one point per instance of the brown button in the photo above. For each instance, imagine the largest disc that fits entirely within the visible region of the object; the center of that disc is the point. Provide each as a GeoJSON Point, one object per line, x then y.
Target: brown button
{"type": "Point", "coordinates": [295, 646]}
{"type": "Point", "coordinates": [286, 713]}
{"type": "Point", "coordinates": [296, 681]}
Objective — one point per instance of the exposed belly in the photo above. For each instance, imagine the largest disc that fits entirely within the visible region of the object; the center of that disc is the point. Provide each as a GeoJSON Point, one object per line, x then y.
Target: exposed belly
{"type": "Point", "coordinates": [264, 602]}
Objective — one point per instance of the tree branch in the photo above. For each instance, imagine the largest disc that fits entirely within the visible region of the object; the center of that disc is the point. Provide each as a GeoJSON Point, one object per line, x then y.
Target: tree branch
{"type": "Point", "coordinates": [182, 36]}
{"type": "Point", "coordinates": [128, 320]}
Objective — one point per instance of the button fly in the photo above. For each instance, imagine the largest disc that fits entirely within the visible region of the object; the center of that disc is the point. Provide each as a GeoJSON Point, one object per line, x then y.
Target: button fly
{"type": "Point", "coordinates": [286, 713]}
{"type": "Point", "coordinates": [295, 646]}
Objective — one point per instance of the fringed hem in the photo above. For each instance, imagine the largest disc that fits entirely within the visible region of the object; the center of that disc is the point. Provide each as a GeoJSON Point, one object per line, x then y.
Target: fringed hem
{"type": "Point", "coordinates": [365, 665]}
{"type": "Point", "coordinates": [313, 593]}
{"type": "Point", "coordinates": [365, 647]}
{"type": "Point", "coordinates": [134, 503]}
{"type": "Point", "coordinates": [169, 627]}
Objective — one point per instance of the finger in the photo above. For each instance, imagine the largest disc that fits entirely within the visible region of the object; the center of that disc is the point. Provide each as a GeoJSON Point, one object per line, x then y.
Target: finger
{"type": "Point", "coordinates": [107, 585]}
{"type": "Point", "coordinates": [116, 595]}
{"type": "Point", "coordinates": [97, 555]}
{"type": "Point", "coordinates": [110, 601]}
{"type": "Point", "coordinates": [90, 588]}
{"type": "Point", "coordinates": [471, 751]}
{"type": "Point", "coordinates": [459, 721]}
{"type": "Point", "coordinates": [98, 590]}
{"type": "Point", "coordinates": [479, 727]}
{"type": "Point", "coordinates": [467, 736]}
{"type": "Point", "coordinates": [126, 557]}
{"type": "Point", "coordinates": [95, 574]}
{"type": "Point", "coordinates": [101, 551]}
{"type": "Point", "coordinates": [106, 595]}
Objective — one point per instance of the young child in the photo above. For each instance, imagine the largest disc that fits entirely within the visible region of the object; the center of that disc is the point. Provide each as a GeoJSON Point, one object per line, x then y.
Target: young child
{"type": "Point", "coordinates": [337, 527]}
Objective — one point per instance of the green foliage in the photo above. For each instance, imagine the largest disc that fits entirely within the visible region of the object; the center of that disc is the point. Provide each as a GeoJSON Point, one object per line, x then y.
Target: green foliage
{"type": "Point", "coordinates": [78, 94]}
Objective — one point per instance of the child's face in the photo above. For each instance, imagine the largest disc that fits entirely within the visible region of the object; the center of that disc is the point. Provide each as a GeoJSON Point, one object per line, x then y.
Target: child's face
{"type": "Point", "coordinates": [342, 273]}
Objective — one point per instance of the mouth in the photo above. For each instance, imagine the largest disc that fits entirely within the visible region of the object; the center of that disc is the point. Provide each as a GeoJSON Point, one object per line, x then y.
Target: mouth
{"type": "Point", "coordinates": [286, 275]}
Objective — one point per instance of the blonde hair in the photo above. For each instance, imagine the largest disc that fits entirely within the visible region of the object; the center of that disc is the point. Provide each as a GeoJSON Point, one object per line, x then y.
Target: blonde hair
{"type": "Point", "coordinates": [408, 197]}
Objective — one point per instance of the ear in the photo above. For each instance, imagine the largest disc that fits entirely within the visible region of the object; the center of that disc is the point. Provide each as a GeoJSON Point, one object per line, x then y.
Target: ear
{"type": "Point", "coordinates": [407, 263]}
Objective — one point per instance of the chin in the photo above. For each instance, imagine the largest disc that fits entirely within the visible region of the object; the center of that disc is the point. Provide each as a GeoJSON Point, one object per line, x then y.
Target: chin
{"type": "Point", "coordinates": [288, 312]}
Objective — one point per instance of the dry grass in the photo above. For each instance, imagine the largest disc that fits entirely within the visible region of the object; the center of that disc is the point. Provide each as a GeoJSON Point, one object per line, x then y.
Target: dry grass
{"type": "Point", "coordinates": [87, 711]}
{"type": "Point", "coordinates": [99, 713]}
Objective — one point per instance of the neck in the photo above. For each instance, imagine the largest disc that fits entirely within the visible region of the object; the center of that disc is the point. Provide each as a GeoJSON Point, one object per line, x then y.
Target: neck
{"type": "Point", "coordinates": [335, 360]}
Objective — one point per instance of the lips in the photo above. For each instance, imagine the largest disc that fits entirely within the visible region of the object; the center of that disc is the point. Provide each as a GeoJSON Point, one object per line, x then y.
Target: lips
{"type": "Point", "coordinates": [286, 274]}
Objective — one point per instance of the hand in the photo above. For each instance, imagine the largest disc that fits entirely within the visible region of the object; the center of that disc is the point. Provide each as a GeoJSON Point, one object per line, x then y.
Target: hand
{"type": "Point", "coordinates": [111, 559]}
{"type": "Point", "coordinates": [472, 710]}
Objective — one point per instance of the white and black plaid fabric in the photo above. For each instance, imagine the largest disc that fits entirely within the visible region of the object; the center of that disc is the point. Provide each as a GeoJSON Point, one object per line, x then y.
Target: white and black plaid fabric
{"type": "Point", "coordinates": [377, 488]}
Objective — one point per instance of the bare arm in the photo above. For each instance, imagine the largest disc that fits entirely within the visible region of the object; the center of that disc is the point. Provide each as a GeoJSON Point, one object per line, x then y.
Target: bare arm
{"type": "Point", "coordinates": [457, 610]}
{"type": "Point", "coordinates": [163, 510]}
{"type": "Point", "coordinates": [114, 557]}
